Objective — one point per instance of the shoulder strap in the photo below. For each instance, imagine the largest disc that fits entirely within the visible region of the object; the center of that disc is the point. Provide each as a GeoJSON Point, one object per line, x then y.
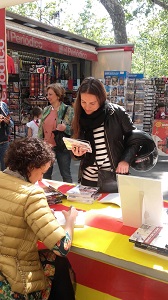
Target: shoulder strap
{"type": "Point", "coordinates": [63, 116]}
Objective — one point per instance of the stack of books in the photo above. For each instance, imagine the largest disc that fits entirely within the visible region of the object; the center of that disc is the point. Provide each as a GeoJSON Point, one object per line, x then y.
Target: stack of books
{"type": "Point", "coordinates": [53, 195]}
{"type": "Point", "coordinates": [83, 194]}
{"type": "Point", "coordinates": [151, 239]}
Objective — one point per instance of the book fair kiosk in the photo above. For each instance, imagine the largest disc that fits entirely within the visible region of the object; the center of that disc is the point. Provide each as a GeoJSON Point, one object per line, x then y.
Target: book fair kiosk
{"type": "Point", "coordinates": [106, 264]}
{"type": "Point", "coordinates": [37, 54]}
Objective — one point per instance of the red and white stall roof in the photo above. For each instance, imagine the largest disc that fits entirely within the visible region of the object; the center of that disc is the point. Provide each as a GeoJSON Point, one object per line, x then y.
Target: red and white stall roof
{"type": "Point", "coordinates": [19, 34]}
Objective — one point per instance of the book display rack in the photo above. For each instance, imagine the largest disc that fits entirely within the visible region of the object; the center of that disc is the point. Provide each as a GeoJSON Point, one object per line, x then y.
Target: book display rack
{"type": "Point", "coordinates": [14, 104]}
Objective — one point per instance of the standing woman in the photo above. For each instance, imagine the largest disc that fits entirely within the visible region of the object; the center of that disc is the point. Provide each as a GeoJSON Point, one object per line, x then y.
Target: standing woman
{"type": "Point", "coordinates": [105, 126]}
{"type": "Point", "coordinates": [51, 120]}
{"type": "Point", "coordinates": [6, 125]}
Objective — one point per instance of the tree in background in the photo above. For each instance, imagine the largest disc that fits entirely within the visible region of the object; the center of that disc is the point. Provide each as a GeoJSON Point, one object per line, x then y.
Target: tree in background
{"type": "Point", "coordinates": [91, 26]}
{"type": "Point", "coordinates": [149, 33]}
{"type": "Point", "coordinates": [151, 46]}
{"type": "Point", "coordinates": [120, 14]}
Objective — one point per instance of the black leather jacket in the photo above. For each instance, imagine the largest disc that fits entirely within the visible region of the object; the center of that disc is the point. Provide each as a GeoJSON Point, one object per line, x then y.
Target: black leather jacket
{"type": "Point", "coordinates": [118, 126]}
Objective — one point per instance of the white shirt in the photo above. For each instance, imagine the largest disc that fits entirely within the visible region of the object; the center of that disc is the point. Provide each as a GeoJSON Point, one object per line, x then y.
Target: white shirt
{"type": "Point", "coordinates": [34, 127]}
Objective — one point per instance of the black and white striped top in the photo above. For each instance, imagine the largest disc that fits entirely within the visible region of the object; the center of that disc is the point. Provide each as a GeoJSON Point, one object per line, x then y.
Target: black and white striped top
{"type": "Point", "coordinates": [90, 173]}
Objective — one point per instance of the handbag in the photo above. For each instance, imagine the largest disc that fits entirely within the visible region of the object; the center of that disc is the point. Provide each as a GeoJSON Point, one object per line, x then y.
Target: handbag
{"type": "Point", "coordinates": [58, 136]}
{"type": "Point", "coordinates": [107, 181]}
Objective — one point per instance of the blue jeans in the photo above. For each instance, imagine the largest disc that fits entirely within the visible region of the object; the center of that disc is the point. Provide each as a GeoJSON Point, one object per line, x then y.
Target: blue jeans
{"type": "Point", "coordinates": [64, 164]}
{"type": "Point", "coordinates": [3, 148]}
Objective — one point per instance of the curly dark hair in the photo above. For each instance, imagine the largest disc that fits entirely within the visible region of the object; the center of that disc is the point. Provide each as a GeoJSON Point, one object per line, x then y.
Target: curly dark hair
{"type": "Point", "coordinates": [28, 153]}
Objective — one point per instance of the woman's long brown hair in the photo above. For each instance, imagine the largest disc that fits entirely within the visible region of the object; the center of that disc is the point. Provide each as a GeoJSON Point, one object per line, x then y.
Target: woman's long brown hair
{"type": "Point", "coordinates": [91, 86]}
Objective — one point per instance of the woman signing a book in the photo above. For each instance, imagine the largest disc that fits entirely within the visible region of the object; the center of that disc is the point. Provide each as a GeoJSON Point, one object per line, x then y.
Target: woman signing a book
{"type": "Point", "coordinates": [25, 218]}
{"type": "Point", "coordinates": [106, 126]}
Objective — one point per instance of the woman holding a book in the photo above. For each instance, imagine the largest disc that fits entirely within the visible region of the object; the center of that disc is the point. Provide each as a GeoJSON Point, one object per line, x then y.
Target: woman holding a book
{"type": "Point", "coordinates": [106, 127]}
{"type": "Point", "coordinates": [25, 218]}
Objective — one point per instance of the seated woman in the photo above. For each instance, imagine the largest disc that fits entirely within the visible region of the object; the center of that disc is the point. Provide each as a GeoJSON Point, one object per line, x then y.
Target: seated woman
{"type": "Point", "coordinates": [25, 218]}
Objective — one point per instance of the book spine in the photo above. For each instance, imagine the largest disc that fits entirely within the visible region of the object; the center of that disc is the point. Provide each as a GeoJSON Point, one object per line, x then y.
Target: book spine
{"type": "Point", "coordinates": [152, 235]}
{"type": "Point", "coordinates": [152, 248]}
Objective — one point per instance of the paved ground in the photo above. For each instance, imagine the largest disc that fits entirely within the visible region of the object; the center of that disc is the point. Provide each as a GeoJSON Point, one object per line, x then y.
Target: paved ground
{"type": "Point", "coordinates": [160, 171]}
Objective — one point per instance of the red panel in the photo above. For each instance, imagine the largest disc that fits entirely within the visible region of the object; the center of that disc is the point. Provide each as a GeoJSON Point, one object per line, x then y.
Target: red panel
{"type": "Point", "coordinates": [110, 224]}
{"type": "Point", "coordinates": [124, 48]}
{"type": "Point", "coordinates": [115, 281]}
{"type": "Point", "coordinates": [35, 42]}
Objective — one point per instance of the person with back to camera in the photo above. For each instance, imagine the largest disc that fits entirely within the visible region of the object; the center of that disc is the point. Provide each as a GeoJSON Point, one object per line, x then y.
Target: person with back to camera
{"type": "Point", "coordinates": [25, 218]}
{"type": "Point", "coordinates": [33, 125]}
{"type": "Point", "coordinates": [6, 124]}
{"type": "Point", "coordinates": [51, 120]}
{"type": "Point", "coordinates": [106, 126]}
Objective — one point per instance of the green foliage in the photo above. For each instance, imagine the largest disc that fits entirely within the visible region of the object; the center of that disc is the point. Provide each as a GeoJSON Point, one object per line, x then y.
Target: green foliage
{"type": "Point", "coordinates": [30, 10]}
{"type": "Point", "coordinates": [90, 26]}
{"type": "Point", "coordinates": [151, 48]}
{"type": "Point", "coordinates": [151, 43]}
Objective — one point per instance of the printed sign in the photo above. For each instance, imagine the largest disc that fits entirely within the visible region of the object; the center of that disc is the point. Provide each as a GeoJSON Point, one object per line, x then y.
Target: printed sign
{"type": "Point", "coordinates": [39, 43]}
{"type": "Point", "coordinates": [3, 73]}
{"type": "Point", "coordinates": [160, 136]}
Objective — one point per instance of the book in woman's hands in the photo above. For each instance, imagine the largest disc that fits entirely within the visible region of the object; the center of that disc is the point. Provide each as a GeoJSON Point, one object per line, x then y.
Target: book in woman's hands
{"type": "Point", "coordinates": [69, 143]}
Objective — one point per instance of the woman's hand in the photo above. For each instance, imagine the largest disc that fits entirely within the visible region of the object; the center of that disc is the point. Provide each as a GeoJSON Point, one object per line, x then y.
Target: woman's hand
{"type": "Point", "coordinates": [5, 119]}
{"type": "Point", "coordinates": [1, 118]}
{"type": "Point", "coordinates": [70, 217]}
{"type": "Point", "coordinates": [61, 127]}
{"type": "Point", "coordinates": [122, 168]}
{"type": "Point", "coordinates": [70, 214]}
{"type": "Point", "coordinates": [78, 151]}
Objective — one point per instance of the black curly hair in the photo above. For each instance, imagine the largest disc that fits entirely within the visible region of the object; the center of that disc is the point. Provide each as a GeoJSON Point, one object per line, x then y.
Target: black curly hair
{"type": "Point", "coordinates": [28, 153]}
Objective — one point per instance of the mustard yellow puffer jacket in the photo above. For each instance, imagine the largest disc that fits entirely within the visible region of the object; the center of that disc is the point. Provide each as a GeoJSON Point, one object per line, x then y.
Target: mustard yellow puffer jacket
{"type": "Point", "coordinates": [25, 217]}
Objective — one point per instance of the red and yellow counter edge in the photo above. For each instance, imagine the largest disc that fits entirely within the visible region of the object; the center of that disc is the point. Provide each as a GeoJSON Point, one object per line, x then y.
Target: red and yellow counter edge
{"type": "Point", "coordinates": [106, 264]}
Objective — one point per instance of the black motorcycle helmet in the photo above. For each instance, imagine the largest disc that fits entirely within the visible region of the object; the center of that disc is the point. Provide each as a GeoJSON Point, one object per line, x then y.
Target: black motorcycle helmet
{"type": "Point", "coordinates": [147, 154]}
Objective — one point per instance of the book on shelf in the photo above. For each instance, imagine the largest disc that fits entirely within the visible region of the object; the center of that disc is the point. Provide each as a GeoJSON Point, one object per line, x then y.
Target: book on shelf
{"type": "Point", "coordinates": [84, 194]}
{"type": "Point", "coordinates": [162, 253]}
{"type": "Point", "coordinates": [70, 142]}
{"type": "Point", "coordinates": [53, 195]}
{"type": "Point", "coordinates": [80, 219]}
{"type": "Point", "coordinates": [150, 237]}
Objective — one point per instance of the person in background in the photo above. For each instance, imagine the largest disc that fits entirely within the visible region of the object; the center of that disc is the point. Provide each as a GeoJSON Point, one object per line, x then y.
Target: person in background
{"type": "Point", "coordinates": [104, 125]}
{"type": "Point", "coordinates": [107, 86]}
{"type": "Point", "coordinates": [6, 125]}
{"type": "Point", "coordinates": [33, 125]}
{"type": "Point", "coordinates": [52, 119]}
{"type": "Point", "coordinates": [25, 218]}
{"type": "Point", "coordinates": [161, 111]}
